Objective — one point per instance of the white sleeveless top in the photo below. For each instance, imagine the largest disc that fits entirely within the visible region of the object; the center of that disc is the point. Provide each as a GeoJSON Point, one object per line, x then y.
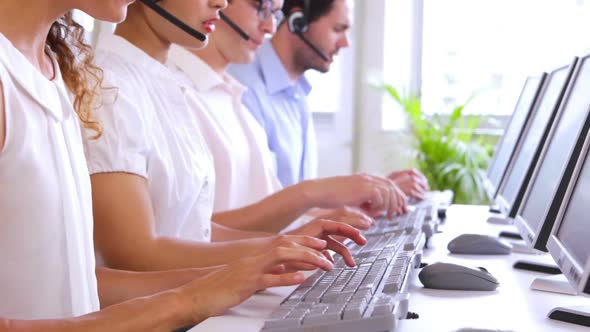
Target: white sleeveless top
{"type": "Point", "coordinates": [244, 167]}
{"type": "Point", "coordinates": [150, 131]}
{"type": "Point", "coordinates": [47, 267]}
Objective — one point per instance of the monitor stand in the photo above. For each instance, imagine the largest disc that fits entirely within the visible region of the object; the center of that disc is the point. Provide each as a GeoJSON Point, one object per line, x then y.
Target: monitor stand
{"type": "Point", "coordinates": [537, 267]}
{"type": "Point", "coordinates": [554, 284]}
{"type": "Point", "coordinates": [495, 209]}
{"type": "Point", "coordinates": [524, 249]}
{"type": "Point", "coordinates": [500, 220]}
{"type": "Point", "coordinates": [579, 315]}
{"type": "Point", "coordinates": [510, 235]}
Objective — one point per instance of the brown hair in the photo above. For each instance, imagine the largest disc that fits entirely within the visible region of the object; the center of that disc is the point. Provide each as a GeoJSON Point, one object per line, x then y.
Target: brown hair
{"type": "Point", "coordinates": [75, 58]}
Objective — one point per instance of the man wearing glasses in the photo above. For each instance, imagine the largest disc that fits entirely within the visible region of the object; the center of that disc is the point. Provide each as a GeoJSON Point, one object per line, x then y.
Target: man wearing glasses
{"type": "Point", "coordinates": [309, 37]}
{"type": "Point", "coordinates": [235, 139]}
{"type": "Point", "coordinates": [244, 167]}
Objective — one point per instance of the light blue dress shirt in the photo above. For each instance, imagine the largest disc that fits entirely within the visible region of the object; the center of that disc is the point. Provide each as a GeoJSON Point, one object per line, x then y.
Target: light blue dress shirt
{"type": "Point", "coordinates": [281, 108]}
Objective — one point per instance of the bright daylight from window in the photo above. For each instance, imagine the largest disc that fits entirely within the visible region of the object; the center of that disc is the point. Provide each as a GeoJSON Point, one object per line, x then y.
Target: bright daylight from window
{"type": "Point", "coordinates": [488, 47]}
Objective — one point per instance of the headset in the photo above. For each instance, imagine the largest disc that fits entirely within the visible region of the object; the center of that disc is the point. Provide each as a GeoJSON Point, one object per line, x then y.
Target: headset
{"type": "Point", "coordinates": [298, 23]}
{"type": "Point", "coordinates": [173, 19]}
{"type": "Point", "coordinates": [234, 26]}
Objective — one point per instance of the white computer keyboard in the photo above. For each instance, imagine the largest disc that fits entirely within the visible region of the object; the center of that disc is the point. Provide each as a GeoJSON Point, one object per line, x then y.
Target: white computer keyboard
{"type": "Point", "coordinates": [369, 297]}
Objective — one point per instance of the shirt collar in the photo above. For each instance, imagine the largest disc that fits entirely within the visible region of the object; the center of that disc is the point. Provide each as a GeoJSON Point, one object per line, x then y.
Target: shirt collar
{"type": "Point", "coordinates": [202, 76]}
{"type": "Point", "coordinates": [275, 74]}
{"type": "Point", "coordinates": [37, 86]}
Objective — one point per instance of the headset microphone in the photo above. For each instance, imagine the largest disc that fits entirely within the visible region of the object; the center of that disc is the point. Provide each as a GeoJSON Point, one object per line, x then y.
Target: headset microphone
{"type": "Point", "coordinates": [298, 24]}
{"type": "Point", "coordinates": [234, 26]}
{"type": "Point", "coordinates": [172, 19]}
{"type": "Point", "coordinates": [312, 46]}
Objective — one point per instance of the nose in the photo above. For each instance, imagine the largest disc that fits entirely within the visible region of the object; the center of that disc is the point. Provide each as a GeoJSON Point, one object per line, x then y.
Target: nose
{"type": "Point", "coordinates": [268, 25]}
{"type": "Point", "coordinates": [218, 4]}
{"type": "Point", "coordinates": [344, 42]}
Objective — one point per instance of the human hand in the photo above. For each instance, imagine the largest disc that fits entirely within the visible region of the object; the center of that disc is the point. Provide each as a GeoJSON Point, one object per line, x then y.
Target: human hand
{"type": "Point", "coordinates": [349, 216]}
{"type": "Point", "coordinates": [413, 183]}
{"type": "Point", "coordinates": [327, 230]}
{"type": "Point", "coordinates": [233, 283]}
{"type": "Point", "coordinates": [371, 193]}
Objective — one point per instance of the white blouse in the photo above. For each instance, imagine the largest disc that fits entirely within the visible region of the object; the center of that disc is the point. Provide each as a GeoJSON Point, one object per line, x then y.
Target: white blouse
{"type": "Point", "coordinates": [46, 250]}
{"type": "Point", "coordinates": [244, 166]}
{"type": "Point", "coordinates": [149, 130]}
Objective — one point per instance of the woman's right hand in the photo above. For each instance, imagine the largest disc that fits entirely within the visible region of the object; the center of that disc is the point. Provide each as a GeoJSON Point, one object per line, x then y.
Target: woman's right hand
{"type": "Point", "coordinates": [235, 282]}
{"type": "Point", "coordinates": [373, 194]}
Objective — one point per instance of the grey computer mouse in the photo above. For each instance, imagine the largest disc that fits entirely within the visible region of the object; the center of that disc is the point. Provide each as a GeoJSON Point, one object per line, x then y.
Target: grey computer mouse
{"type": "Point", "coordinates": [478, 244]}
{"type": "Point", "coordinates": [457, 277]}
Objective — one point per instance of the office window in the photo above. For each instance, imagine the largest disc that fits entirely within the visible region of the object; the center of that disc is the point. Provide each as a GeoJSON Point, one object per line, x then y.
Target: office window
{"type": "Point", "coordinates": [484, 48]}
{"type": "Point", "coordinates": [488, 47]}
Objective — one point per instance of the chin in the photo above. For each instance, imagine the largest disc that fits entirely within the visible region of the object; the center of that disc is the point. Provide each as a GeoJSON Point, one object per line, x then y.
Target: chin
{"type": "Point", "coordinates": [323, 69]}
{"type": "Point", "coordinates": [113, 15]}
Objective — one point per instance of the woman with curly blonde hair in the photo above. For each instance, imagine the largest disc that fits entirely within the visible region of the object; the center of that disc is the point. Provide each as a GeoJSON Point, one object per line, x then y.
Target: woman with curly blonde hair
{"type": "Point", "coordinates": [48, 278]}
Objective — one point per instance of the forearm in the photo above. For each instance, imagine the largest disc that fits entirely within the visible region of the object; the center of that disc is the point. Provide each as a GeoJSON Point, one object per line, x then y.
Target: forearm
{"type": "Point", "coordinates": [271, 214]}
{"type": "Point", "coordinates": [161, 312]}
{"type": "Point", "coordinates": [164, 253]}
{"type": "Point", "coordinates": [220, 233]}
{"type": "Point", "coordinates": [116, 286]}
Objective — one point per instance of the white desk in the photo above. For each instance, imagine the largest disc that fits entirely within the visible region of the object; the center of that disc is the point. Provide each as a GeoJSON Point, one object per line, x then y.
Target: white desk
{"type": "Point", "coordinates": [513, 306]}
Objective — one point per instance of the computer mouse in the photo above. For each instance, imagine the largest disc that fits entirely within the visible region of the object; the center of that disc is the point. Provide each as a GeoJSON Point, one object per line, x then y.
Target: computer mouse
{"type": "Point", "coordinates": [478, 244]}
{"type": "Point", "coordinates": [457, 277]}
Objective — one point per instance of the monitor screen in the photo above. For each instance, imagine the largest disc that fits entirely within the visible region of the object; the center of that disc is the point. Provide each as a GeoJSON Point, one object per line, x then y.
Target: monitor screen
{"type": "Point", "coordinates": [550, 170]}
{"type": "Point", "coordinates": [505, 147]}
{"type": "Point", "coordinates": [533, 136]}
{"type": "Point", "coordinates": [568, 244]}
{"type": "Point", "coordinates": [574, 230]}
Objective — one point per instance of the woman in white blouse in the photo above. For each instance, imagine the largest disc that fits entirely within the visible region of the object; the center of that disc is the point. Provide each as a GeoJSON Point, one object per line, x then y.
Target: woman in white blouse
{"type": "Point", "coordinates": [244, 167]}
{"type": "Point", "coordinates": [48, 279]}
{"type": "Point", "coordinates": [151, 172]}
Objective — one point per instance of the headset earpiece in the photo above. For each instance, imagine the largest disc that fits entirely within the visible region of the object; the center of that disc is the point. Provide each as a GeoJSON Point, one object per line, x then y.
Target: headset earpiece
{"type": "Point", "coordinates": [298, 18]}
{"type": "Point", "coordinates": [297, 22]}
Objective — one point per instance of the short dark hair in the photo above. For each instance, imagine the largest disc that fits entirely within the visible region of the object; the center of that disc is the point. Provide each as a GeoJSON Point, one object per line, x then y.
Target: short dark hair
{"type": "Point", "coordinates": [317, 8]}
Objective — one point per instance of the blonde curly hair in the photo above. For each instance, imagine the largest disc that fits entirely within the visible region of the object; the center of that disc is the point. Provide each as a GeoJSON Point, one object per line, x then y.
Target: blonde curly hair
{"type": "Point", "coordinates": [75, 58]}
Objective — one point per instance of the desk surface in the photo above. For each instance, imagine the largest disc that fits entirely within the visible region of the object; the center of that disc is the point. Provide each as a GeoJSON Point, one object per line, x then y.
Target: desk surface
{"type": "Point", "coordinates": [513, 306]}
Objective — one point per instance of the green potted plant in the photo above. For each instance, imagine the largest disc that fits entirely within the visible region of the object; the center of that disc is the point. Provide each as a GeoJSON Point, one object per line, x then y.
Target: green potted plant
{"type": "Point", "coordinates": [447, 150]}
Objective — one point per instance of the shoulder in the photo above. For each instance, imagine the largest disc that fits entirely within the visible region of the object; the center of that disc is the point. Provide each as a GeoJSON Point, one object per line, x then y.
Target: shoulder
{"type": "Point", "coordinates": [124, 95]}
{"type": "Point", "coordinates": [124, 112]}
{"type": "Point", "coordinates": [119, 73]}
{"type": "Point", "coordinates": [249, 75]}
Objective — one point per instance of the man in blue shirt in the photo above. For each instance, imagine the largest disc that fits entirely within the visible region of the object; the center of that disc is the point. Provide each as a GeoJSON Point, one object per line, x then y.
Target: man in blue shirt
{"type": "Point", "coordinates": [310, 36]}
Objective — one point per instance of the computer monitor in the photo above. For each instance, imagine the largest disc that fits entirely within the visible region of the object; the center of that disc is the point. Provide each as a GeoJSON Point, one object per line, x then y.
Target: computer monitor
{"type": "Point", "coordinates": [505, 147]}
{"type": "Point", "coordinates": [544, 194]}
{"type": "Point", "coordinates": [568, 243]}
{"type": "Point", "coordinates": [527, 152]}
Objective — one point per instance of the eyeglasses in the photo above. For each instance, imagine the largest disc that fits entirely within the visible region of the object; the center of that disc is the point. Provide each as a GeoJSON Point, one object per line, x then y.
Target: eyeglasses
{"type": "Point", "coordinates": [264, 11]}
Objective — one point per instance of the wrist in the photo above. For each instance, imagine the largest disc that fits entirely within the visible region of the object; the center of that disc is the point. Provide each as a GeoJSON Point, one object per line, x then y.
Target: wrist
{"type": "Point", "coordinates": [306, 194]}
{"type": "Point", "coordinates": [183, 309]}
